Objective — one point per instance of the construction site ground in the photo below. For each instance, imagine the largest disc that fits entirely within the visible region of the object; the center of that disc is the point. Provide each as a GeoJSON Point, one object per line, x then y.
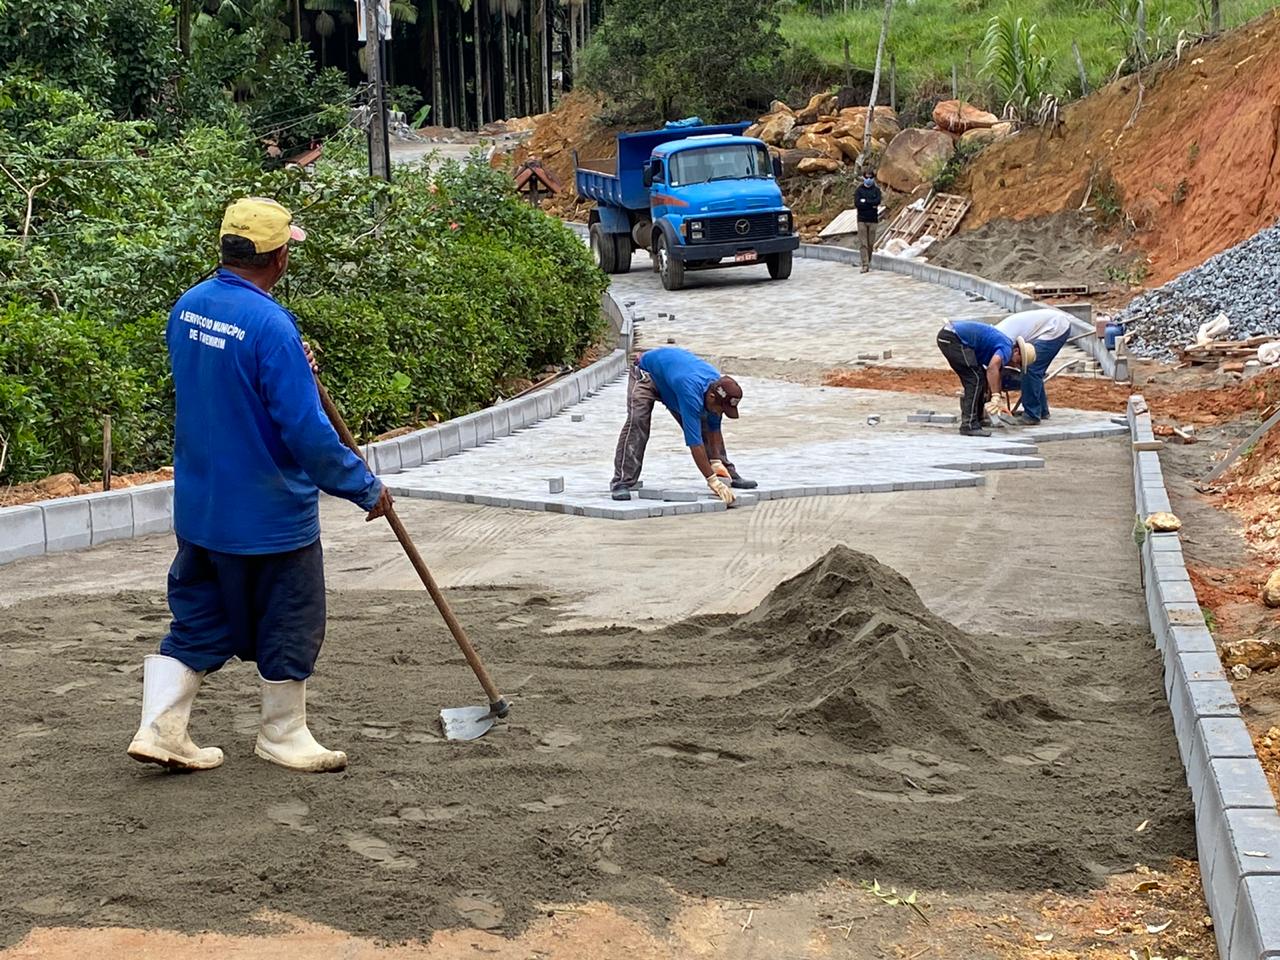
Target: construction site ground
{"type": "Point", "coordinates": [699, 762]}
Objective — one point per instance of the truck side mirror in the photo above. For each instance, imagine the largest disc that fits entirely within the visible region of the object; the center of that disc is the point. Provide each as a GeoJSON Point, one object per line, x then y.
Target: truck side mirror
{"type": "Point", "coordinates": [648, 175]}
{"type": "Point", "coordinates": [777, 166]}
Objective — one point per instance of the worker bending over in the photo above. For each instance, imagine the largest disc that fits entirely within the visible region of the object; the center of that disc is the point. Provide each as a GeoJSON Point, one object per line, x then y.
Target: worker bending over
{"type": "Point", "coordinates": [697, 396]}
{"type": "Point", "coordinates": [252, 450]}
{"type": "Point", "coordinates": [977, 353]}
{"type": "Point", "coordinates": [1047, 331]}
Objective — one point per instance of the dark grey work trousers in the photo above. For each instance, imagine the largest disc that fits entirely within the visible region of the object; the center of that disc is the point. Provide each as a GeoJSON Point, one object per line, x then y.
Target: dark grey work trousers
{"type": "Point", "coordinates": [973, 377]}
{"type": "Point", "coordinates": [628, 459]}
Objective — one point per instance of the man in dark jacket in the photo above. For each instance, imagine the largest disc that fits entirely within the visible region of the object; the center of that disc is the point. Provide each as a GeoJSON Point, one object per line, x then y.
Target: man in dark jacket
{"type": "Point", "coordinates": [867, 200]}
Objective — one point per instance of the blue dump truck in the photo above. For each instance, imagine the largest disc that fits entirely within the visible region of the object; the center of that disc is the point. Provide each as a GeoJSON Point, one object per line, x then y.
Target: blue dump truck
{"type": "Point", "coordinates": [695, 196]}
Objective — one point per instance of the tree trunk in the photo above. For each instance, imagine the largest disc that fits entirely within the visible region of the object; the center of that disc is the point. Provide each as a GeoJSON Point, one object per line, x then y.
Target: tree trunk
{"type": "Point", "coordinates": [184, 27]}
{"type": "Point", "coordinates": [506, 64]}
{"type": "Point", "coordinates": [875, 84]}
{"type": "Point", "coordinates": [437, 93]}
{"type": "Point", "coordinates": [537, 65]}
{"type": "Point", "coordinates": [297, 20]}
{"type": "Point", "coordinates": [1215, 15]}
{"type": "Point", "coordinates": [462, 72]}
{"type": "Point", "coordinates": [479, 64]}
{"type": "Point", "coordinates": [568, 45]}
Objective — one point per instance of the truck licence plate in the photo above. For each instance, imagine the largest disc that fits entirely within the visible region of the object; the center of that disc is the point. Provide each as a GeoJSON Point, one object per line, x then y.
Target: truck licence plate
{"type": "Point", "coordinates": [745, 256]}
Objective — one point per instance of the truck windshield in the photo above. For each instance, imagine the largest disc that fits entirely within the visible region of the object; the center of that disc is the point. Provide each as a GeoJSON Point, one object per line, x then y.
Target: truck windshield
{"type": "Point", "coordinates": [736, 161]}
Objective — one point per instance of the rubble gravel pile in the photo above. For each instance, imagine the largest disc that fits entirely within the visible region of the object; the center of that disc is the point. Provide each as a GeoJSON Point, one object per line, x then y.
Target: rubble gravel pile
{"type": "Point", "coordinates": [1242, 282]}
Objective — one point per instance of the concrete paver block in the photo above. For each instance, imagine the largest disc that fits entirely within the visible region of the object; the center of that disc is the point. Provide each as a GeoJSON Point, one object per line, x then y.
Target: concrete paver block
{"type": "Point", "coordinates": [21, 532]}
{"type": "Point", "coordinates": [110, 516]}
{"type": "Point", "coordinates": [1213, 738]}
{"type": "Point", "coordinates": [152, 509]}
{"type": "Point", "coordinates": [555, 485]}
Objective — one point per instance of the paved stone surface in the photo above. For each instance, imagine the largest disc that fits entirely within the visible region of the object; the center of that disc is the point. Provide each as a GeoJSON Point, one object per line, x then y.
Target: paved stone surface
{"type": "Point", "coordinates": [826, 313]}
{"type": "Point", "coordinates": [794, 440]}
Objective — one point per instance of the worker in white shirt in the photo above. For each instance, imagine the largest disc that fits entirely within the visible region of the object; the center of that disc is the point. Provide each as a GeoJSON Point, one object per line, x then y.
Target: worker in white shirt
{"type": "Point", "coordinates": [1047, 330]}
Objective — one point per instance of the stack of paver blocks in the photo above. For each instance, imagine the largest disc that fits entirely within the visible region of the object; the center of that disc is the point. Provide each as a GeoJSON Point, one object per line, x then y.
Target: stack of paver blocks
{"type": "Point", "coordinates": [1237, 824]}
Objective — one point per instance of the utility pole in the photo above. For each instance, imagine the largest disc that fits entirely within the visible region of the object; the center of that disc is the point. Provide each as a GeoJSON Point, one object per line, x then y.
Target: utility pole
{"type": "Point", "coordinates": [379, 146]}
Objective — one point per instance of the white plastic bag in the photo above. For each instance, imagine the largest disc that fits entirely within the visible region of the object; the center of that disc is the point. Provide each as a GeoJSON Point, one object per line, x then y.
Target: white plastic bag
{"type": "Point", "coordinates": [1211, 331]}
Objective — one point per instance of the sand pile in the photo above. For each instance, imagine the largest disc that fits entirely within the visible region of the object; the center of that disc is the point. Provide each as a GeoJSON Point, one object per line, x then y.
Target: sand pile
{"type": "Point", "coordinates": [874, 667]}
{"type": "Point", "coordinates": [1065, 246]}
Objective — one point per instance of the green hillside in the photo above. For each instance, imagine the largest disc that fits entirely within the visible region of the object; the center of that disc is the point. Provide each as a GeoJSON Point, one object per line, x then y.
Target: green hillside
{"type": "Point", "coordinates": [929, 36]}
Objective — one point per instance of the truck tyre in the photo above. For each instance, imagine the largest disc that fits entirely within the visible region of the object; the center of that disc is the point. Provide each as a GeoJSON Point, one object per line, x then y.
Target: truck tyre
{"type": "Point", "coordinates": [669, 268]}
{"type": "Point", "coordinates": [622, 253]}
{"type": "Point", "coordinates": [779, 265]}
{"type": "Point", "coordinates": [603, 250]}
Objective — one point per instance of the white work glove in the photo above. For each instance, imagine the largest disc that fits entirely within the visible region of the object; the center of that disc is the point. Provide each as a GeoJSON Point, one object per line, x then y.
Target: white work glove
{"type": "Point", "coordinates": [720, 489]}
{"type": "Point", "coordinates": [720, 470]}
{"type": "Point", "coordinates": [994, 409]}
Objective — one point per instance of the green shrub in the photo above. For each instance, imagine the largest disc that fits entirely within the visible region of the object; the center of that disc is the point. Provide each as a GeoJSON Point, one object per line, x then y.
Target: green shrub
{"type": "Point", "coordinates": [60, 374]}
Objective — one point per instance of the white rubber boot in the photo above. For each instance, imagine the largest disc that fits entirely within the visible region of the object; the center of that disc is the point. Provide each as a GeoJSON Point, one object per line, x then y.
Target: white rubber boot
{"type": "Point", "coordinates": [169, 688]}
{"type": "Point", "coordinates": [284, 738]}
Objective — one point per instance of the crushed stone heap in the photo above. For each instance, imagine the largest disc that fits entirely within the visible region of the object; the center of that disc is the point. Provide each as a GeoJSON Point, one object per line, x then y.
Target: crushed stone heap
{"type": "Point", "coordinates": [1242, 282]}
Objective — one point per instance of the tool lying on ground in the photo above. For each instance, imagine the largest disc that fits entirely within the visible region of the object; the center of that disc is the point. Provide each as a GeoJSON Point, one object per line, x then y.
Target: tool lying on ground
{"type": "Point", "coordinates": [458, 723]}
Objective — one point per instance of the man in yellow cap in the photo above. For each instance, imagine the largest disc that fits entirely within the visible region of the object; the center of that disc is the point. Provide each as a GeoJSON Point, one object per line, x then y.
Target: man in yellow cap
{"type": "Point", "coordinates": [252, 451]}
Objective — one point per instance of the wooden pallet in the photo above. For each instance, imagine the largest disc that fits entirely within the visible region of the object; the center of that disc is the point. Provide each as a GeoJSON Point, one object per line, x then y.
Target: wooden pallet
{"type": "Point", "coordinates": [1222, 350]}
{"type": "Point", "coordinates": [939, 219]}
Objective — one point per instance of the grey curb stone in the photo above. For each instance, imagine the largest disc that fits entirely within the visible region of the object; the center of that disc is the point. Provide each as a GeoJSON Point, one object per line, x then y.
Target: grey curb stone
{"type": "Point", "coordinates": [410, 450]}
{"type": "Point", "coordinates": [21, 532]}
{"type": "Point", "coordinates": [431, 449]}
{"type": "Point", "coordinates": [450, 438]}
{"type": "Point", "coordinates": [384, 457]}
{"type": "Point", "coordinates": [1255, 930]}
{"type": "Point", "coordinates": [110, 516]}
{"type": "Point", "coordinates": [152, 509]}
{"type": "Point", "coordinates": [1237, 825]}
{"type": "Point", "coordinates": [66, 524]}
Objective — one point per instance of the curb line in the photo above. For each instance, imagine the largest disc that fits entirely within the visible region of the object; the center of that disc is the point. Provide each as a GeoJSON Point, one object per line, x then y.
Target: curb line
{"type": "Point", "coordinates": [1237, 823]}
{"type": "Point", "coordinates": [73, 523]}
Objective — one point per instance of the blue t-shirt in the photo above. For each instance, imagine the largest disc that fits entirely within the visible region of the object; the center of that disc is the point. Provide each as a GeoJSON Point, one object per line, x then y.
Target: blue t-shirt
{"type": "Point", "coordinates": [252, 444]}
{"type": "Point", "coordinates": [682, 381]}
{"type": "Point", "coordinates": [984, 340]}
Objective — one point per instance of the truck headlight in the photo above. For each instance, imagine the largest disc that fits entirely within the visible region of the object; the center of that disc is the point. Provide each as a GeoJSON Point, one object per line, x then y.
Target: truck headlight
{"type": "Point", "coordinates": [693, 229]}
{"type": "Point", "coordinates": [784, 222]}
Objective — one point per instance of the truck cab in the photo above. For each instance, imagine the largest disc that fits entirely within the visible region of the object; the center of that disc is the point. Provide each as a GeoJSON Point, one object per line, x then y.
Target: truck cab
{"type": "Point", "coordinates": [696, 197]}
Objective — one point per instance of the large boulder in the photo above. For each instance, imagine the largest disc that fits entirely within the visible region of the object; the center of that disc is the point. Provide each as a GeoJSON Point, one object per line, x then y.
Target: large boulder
{"type": "Point", "coordinates": [850, 147]}
{"type": "Point", "coordinates": [824, 125]}
{"type": "Point", "coordinates": [852, 123]}
{"type": "Point", "coordinates": [820, 104]}
{"type": "Point", "coordinates": [979, 137]}
{"type": "Point", "coordinates": [1004, 128]}
{"type": "Point", "coordinates": [776, 128]}
{"type": "Point", "coordinates": [754, 130]}
{"type": "Point", "coordinates": [913, 157]}
{"type": "Point", "coordinates": [777, 106]}
{"type": "Point", "coordinates": [791, 160]}
{"type": "Point", "coordinates": [822, 143]}
{"type": "Point", "coordinates": [956, 116]}
{"type": "Point", "coordinates": [815, 166]}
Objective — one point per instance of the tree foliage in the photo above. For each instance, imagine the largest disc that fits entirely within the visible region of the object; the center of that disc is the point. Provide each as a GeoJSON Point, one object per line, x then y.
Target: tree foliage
{"type": "Point", "coordinates": [418, 311]}
{"type": "Point", "coordinates": [664, 59]}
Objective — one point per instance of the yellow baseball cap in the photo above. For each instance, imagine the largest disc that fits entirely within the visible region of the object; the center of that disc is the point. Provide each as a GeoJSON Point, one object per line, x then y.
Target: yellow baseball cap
{"type": "Point", "coordinates": [268, 224]}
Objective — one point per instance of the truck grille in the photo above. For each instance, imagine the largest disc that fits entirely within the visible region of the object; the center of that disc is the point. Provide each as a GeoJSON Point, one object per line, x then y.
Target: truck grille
{"type": "Point", "coordinates": [726, 229]}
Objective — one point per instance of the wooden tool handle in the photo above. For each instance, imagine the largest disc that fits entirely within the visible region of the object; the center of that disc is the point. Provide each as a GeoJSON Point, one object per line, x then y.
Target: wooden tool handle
{"type": "Point", "coordinates": [495, 698]}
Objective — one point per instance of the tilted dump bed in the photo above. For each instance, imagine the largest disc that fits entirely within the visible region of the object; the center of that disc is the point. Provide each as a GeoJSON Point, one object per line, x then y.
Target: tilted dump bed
{"type": "Point", "coordinates": [621, 183]}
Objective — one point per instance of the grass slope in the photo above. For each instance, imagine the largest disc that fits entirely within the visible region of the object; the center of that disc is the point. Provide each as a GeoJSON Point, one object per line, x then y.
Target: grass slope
{"type": "Point", "coordinates": [928, 36]}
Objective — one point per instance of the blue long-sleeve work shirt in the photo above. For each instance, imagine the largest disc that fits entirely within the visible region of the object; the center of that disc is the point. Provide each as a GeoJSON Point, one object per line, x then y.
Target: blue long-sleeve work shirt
{"type": "Point", "coordinates": [682, 381]}
{"type": "Point", "coordinates": [252, 444]}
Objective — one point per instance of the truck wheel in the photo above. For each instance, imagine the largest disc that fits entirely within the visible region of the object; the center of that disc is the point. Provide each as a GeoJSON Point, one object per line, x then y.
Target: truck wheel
{"type": "Point", "coordinates": [602, 249]}
{"type": "Point", "coordinates": [622, 253]}
{"type": "Point", "coordinates": [779, 265]}
{"type": "Point", "coordinates": [670, 269]}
